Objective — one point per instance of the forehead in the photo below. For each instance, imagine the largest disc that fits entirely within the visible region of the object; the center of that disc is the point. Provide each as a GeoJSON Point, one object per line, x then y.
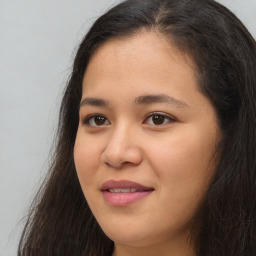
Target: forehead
{"type": "Point", "coordinates": [138, 58]}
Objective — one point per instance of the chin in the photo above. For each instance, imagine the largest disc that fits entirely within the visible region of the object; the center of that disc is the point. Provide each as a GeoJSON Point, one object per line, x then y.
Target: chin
{"type": "Point", "coordinates": [138, 236]}
{"type": "Point", "coordinates": [132, 239]}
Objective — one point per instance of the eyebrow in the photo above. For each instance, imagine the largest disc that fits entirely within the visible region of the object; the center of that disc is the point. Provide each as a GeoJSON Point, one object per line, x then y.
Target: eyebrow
{"type": "Point", "coordinates": [149, 99]}
{"type": "Point", "coordinates": [94, 102]}
{"type": "Point", "coordinates": [144, 99]}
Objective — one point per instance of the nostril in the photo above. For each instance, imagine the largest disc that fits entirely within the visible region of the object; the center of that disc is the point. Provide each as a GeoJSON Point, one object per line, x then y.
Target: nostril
{"type": "Point", "coordinates": [113, 164]}
{"type": "Point", "coordinates": [107, 164]}
{"type": "Point", "coordinates": [118, 165]}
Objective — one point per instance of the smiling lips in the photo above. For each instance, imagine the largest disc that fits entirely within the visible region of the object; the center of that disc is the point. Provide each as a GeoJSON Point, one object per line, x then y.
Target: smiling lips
{"type": "Point", "coordinates": [123, 192]}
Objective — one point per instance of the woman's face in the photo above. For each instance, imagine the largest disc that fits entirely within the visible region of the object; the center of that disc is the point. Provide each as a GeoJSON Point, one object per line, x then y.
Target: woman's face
{"type": "Point", "coordinates": [145, 142]}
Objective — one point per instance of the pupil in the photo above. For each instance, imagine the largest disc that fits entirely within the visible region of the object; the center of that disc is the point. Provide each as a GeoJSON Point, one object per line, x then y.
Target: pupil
{"type": "Point", "coordinates": [158, 119]}
{"type": "Point", "coordinates": [99, 120]}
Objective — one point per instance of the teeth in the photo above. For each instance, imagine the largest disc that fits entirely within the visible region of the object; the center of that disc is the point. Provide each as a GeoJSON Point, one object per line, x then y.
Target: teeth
{"type": "Point", "coordinates": [122, 190]}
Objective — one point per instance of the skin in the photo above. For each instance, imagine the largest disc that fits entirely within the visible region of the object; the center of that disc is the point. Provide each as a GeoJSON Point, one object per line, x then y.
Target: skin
{"type": "Point", "coordinates": [174, 157]}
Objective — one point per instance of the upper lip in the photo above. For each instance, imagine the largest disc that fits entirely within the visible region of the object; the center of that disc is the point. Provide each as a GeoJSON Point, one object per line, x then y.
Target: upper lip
{"type": "Point", "coordinates": [112, 184]}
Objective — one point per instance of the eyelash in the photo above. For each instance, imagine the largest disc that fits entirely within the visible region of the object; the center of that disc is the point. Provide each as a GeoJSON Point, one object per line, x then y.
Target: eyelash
{"type": "Point", "coordinates": [167, 119]}
{"type": "Point", "coordinates": [87, 120]}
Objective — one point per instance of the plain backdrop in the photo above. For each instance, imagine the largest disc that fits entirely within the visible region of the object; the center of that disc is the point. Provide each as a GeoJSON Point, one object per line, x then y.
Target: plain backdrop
{"type": "Point", "coordinates": [37, 43]}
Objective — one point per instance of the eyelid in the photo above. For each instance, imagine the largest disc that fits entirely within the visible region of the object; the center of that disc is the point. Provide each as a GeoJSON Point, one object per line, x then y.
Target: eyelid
{"type": "Point", "coordinates": [170, 118]}
{"type": "Point", "coordinates": [167, 116]}
{"type": "Point", "coordinates": [85, 121]}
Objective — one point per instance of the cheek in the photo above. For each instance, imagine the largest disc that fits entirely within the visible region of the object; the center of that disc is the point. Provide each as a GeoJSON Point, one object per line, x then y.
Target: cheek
{"type": "Point", "coordinates": [183, 166]}
{"type": "Point", "coordinates": [184, 160]}
{"type": "Point", "coordinates": [86, 158]}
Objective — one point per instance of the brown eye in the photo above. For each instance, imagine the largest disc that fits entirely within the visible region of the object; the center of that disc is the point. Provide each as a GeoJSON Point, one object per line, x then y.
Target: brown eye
{"type": "Point", "coordinates": [99, 120]}
{"type": "Point", "coordinates": [159, 119]}
{"type": "Point", "coordinates": [96, 120]}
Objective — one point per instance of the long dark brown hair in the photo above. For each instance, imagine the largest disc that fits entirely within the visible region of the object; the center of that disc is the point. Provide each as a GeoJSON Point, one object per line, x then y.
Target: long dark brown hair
{"type": "Point", "coordinates": [224, 52]}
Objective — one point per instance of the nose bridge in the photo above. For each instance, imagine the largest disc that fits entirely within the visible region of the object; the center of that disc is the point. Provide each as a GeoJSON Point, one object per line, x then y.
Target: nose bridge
{"type": "Point", "coordinates": [122, 147]}
{"type": "Point", "coordinates": [121, 133]}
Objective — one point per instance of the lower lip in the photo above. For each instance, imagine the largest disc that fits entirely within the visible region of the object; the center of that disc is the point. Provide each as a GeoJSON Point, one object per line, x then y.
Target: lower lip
{"type": "Point", "coordinates": [123, 199]}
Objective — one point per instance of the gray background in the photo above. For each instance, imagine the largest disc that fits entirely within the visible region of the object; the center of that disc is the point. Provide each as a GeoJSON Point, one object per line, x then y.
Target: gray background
{"type": "Point", "coordinates": [37, 43]}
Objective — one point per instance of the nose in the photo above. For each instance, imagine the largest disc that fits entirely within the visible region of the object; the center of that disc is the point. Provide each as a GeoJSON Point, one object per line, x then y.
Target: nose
{"type": "Point", "coordinates": [122, 149]}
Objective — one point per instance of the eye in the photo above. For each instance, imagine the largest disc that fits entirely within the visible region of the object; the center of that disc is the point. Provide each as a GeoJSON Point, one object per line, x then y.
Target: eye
{"type": "Point", "coordinates": [96, 120]}
{"type": "Point", "coordinates": [158, 119]}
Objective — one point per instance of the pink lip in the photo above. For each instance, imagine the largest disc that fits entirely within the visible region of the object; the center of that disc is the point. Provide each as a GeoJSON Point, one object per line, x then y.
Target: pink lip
{"type": "Point", "coordinates": [124, 198]}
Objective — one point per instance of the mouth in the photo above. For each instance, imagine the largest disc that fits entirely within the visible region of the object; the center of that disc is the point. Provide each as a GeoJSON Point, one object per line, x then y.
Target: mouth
{"type": "Point", "coordinates": [123, 192]}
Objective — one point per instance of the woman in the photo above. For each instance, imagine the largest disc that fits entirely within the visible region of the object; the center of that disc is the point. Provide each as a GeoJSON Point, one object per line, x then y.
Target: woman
{"type": "Point", "coordinates": [156, 140]}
